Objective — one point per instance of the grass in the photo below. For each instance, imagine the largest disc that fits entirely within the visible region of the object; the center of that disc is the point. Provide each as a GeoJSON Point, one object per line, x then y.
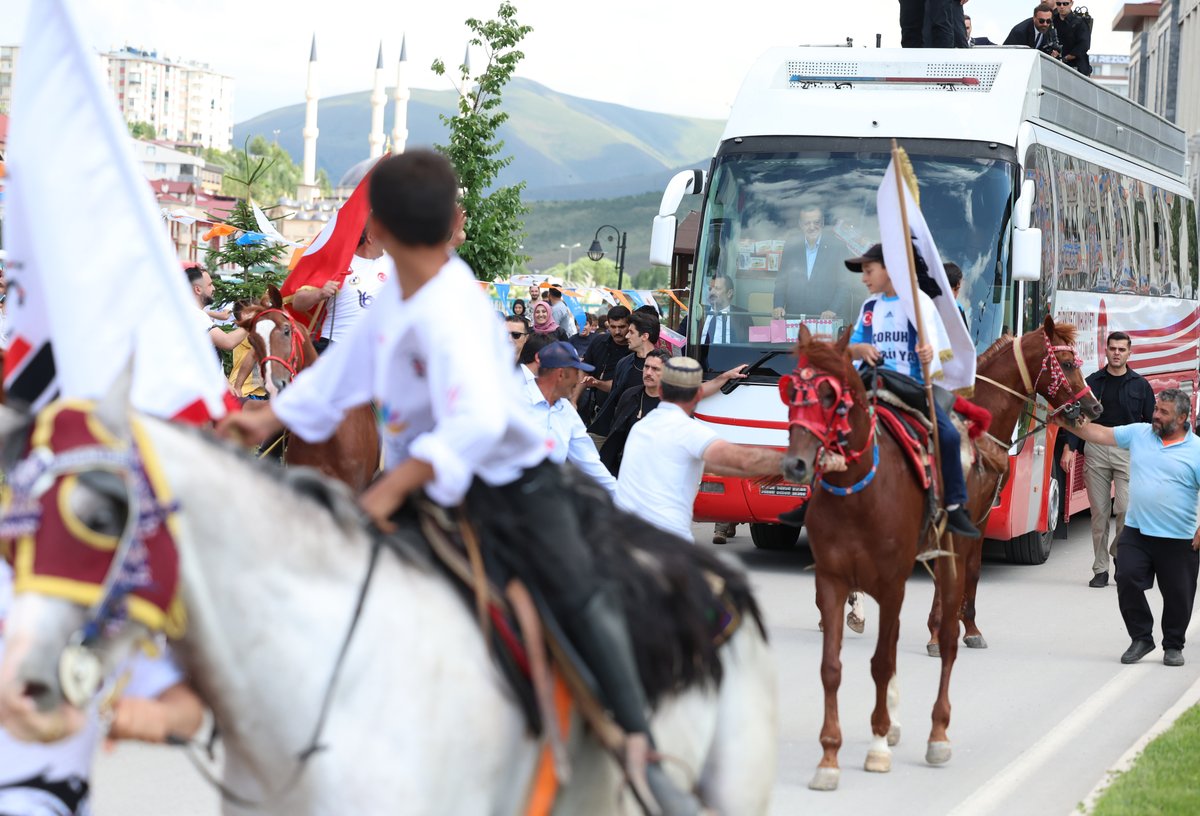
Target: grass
{"type": "Point", "coordinates": [1164, 779]}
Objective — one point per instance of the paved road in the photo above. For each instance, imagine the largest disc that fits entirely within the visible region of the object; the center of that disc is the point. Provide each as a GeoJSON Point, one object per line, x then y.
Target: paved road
{"type": "Point", "coordinates": [1037, 719]}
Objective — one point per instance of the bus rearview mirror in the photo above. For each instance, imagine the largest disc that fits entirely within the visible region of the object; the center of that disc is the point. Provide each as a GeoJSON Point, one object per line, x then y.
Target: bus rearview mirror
{"type": "Point", "coordinates": [1027, 255]}
{"type": "Point", "coordinates": [662, 237]}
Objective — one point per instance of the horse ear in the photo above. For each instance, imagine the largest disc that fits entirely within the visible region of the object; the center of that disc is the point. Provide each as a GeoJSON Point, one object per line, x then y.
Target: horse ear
{"type": "Point", "coordinates": [805, 336]}
{"type": "Point", "coordinates": [274, 297]}
{"type": "Point", "coordinates": [1048, 326]}
{"type": "Point", "coordinates": [113, 408]}
{"type": "Point", "coordinates": [843, 340]}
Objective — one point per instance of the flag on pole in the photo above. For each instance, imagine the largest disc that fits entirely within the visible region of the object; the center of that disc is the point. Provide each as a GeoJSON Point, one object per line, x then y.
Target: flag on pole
{"type": "Point", "coordinates": [83, 310]}
{"type": "Point", "coordinates": [327, 258]}
{"type": "Point", "coordinates": [957, 361]}
{"type": "Point", "coordinates": [267, 228]}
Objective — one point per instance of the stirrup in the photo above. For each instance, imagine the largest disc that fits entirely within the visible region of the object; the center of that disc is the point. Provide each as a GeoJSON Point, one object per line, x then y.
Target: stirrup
{"type": "Point", "coordinates": [937, 524]}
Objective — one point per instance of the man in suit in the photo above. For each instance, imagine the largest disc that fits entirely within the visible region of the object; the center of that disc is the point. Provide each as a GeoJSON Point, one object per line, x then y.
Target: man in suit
{"type": "Point", "coordinates": [974, 41]}
{"type": "Point", "coordinates": [1075, 36]}
{"type": "Point", "coordinates": [724, 323]}
{"type": "Point", "coordinates": [1036, 32]}
{"type": "Point", "coordinates": [809, 281]}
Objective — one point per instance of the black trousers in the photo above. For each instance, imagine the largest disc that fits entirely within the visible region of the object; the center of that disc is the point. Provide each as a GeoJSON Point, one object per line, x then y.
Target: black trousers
{"type": "Point", "coordinates": [930, 23]}
{"type": "Point", "coordinates": [536, 534]}
{"type": "Point", "coordinates": [1140, 560]}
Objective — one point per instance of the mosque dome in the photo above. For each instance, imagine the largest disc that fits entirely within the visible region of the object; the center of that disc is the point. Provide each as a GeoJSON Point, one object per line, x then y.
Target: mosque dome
{"type": "Point", "coordinates": [355, 174]}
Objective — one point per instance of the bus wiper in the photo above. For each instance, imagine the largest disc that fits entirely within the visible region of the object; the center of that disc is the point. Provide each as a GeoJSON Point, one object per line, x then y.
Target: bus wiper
{"type": "Point", "coordinates": [728, 387]}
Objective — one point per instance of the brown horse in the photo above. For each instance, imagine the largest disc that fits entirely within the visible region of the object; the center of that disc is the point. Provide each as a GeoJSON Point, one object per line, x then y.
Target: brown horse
{"type": "Point", "coordinates": [865, 524]}
{"type": "Point", "coordinates": [282, 348]}
{"type": "Point", "coordinates": [1004, 386]}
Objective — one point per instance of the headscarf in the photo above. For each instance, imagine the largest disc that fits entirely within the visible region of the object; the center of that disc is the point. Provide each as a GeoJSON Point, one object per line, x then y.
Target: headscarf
{"type": "Point", "coordinates": [549, 325]}
{"type": "Point", "coordinates": [514, 308]}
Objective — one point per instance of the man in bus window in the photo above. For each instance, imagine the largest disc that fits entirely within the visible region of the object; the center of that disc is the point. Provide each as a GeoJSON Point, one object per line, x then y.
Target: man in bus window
{"type": "Point", "coordinates": [725, 322]}
{"type": "Point", "coordinates": [1127, 398]}
{"type": "Point", "coordinates": [810, 282]}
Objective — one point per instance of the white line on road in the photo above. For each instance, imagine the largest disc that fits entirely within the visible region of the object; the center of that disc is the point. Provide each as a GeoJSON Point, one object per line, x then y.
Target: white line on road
{"type": "Point", "coordinates": [1033, 760]}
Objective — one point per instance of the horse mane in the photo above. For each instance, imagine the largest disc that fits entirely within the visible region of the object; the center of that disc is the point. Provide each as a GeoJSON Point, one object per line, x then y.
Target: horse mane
{"type": "Point", "coordinates": [1065, 332]}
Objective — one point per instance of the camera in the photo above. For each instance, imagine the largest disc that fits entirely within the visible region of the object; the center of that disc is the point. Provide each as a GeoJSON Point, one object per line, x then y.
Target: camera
{"type": "Point", "coordinates": [1051, 43]}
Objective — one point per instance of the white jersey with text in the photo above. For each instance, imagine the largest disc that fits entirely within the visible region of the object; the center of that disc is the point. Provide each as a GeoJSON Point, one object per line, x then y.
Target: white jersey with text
{"type": "Point", "coordinates": [358, 291]}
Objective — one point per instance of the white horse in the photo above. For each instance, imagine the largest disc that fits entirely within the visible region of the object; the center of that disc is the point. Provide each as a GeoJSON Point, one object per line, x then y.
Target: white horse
{"type": "Point", "coordinates": [421, 721]}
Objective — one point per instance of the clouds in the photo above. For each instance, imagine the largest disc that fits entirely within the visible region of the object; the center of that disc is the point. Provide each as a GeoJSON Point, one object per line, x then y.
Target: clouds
{"type": "Point", "coordinates": [671, 56]}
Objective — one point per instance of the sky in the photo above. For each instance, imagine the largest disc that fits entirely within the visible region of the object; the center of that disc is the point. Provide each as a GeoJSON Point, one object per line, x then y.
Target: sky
{"type": "Point", "coordinates": [668, 56]}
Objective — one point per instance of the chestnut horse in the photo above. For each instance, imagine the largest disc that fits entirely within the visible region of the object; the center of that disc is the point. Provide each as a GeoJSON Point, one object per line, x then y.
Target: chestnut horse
{"type": "Point", "coordinates": [866, 522]}
{"type": "Point", "coordinates": [282, 348]}
{"type": "Point", "coordinates": [1004, 387]}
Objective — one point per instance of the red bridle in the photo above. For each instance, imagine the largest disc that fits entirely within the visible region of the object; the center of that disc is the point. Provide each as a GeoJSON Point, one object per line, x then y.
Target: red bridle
{"type": "Point", "coordinates": [800, 391]}
{"type": "Point", "coordinates": [295, 359]}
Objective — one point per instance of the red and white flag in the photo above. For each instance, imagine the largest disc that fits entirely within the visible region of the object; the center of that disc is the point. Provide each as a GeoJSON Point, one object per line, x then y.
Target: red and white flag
{"type": "Point", "coordinates": [327, 258]}
{"type": "Point", "coordinates": [84, 304]}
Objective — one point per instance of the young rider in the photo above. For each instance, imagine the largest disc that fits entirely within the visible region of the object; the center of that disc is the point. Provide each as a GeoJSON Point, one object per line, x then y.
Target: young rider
{"type": "Point", "coordinates": [884, 336]}
{"type": "Point", "coordinates": [454, 426]}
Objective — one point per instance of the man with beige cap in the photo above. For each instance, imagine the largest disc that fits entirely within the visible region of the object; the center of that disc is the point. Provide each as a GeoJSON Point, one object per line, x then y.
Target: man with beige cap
{"type": "Point", "coordinates": [668, 450]}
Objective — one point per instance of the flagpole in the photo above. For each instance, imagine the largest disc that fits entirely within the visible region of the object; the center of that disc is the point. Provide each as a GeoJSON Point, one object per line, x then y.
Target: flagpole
{"type": "Point", "coordinates": [918, 312]}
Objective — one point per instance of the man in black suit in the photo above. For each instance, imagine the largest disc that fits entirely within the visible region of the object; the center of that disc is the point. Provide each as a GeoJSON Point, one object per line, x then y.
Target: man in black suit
{"type": "Point", "coordinates": [1036, 32]}
{"type": "Point", "coordinates": [1075, 36]}
{"type": "Point", "coordinates": [810, 281]}
{"type": "Point", "coordinates": [724, 322]}
{"type": "Point", "coordinates": [974, 41]}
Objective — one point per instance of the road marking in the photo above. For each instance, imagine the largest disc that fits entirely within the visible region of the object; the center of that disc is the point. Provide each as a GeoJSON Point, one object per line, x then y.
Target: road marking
{"type": "Point", "coordinates": [1034, 759]}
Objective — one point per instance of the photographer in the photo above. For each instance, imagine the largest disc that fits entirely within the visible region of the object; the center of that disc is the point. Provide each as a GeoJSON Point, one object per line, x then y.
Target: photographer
{"type": "Point", "coordinates": [1037, 32]}
{"type": "Point", "coordinates": [1075, 36]}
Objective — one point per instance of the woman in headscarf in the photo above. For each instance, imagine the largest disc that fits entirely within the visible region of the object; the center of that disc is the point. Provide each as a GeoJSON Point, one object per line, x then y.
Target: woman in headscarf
{"type": "Point", "coordinates": [518, 307]}
{"type": "Point", "coordinates": [544, 323]}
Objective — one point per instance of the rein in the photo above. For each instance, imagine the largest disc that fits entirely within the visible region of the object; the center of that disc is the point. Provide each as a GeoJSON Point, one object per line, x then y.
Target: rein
{"type": "Point", "coordinates": [1051, 366]}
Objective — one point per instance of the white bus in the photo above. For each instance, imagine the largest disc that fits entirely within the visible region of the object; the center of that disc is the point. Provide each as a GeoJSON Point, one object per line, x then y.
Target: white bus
{"type": "Point", "coordinates": [1053, 194]}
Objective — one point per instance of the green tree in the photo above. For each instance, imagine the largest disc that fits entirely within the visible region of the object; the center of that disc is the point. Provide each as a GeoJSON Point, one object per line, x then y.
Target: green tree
{"type": "Point", "coordinates": [142, 130]}
{"type": "Point", "coordinates": [494, 228]}
{"type": "Point", "coordinates": [259, 262]}
{"type": "Point", "coordinates": [279, 176]}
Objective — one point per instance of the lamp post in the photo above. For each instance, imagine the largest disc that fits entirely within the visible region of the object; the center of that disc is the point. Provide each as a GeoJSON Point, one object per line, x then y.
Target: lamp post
{"type": "Point", "coordinates": [595, 252]}
{"type": "Point", "coordinates": [570, 252]}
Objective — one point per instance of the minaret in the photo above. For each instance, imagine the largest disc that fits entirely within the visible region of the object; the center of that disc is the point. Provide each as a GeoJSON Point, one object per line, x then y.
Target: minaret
{"type": "Point", "coordinates": [378, 101]}
{"type": "Point", "coordinates": [400, 97]}
{"type": "Point", "coordinates": [466, 88]}
{"type": "Point", "coordinates": [308, 190]}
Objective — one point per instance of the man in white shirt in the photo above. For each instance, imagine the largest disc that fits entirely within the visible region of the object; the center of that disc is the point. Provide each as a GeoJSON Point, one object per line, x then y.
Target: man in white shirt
{"type": "Point", "coordinates": [347, 300]}
{"type": "Point", "coordinates": [559, 369]}
{"type": "Point", "coordinates": [432, 355]}
{"type": "Point", "coordinates": [202, 288]}
{"type": "Point", "coordinates": [669, 450]}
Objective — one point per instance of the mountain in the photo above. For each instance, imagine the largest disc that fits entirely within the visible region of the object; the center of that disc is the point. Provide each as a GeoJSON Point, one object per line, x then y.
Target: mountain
{"type": "Point", "coordinates": [564, 147]}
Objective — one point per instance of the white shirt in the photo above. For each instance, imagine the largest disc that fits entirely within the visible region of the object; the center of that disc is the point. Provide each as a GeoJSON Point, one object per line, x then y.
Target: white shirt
{"type": "Point", "coordinates": [71, 757]}
{"type": "Point", "coordinates": [567, 439]}
{"type": "Point", "coordinates": [439, 367]}
{"type": "Point", "coordinates": [358, 291]}
{"type": "Point", "coordinates": [563, 317]}
{"type": "Point", "coordinates": [661, 470]}
{"type": "Point", "coordinates": [722, 332]}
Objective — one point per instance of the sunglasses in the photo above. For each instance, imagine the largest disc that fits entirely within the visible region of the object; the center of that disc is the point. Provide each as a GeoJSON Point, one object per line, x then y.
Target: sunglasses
{"type": "Point", "coordinates": [1067, 3]}
{"type": "Point", "coordinates": [517, 335]}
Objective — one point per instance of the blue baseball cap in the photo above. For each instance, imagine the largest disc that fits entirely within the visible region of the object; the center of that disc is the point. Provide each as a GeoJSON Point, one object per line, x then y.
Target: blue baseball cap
{"type": "Point", "coordinates": [562, 355]}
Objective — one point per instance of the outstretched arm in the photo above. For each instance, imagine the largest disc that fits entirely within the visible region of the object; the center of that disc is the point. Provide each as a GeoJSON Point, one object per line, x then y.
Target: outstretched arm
{"type": "Point", "coordinates": [1096, 434]}
{"type": "Point", "coordinates": [727, 459]}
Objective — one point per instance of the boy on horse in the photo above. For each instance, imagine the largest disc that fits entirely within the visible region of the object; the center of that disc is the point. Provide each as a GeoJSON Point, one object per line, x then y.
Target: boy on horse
{"type": "Point", "coordinates": [885, 336]}
{"type": "Point", "coordinates": [454, 426]}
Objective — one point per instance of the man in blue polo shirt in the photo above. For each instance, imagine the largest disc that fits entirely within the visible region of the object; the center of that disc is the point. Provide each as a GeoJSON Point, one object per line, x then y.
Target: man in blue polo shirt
{"type": "Point", "coordinates": [1160, 540]}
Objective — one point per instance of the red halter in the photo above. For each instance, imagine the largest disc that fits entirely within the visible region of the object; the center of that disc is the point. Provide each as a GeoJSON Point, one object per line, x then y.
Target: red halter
{"type": "Point", "coordinates": [1058, 378]}
{"type": "Point", "coordinates": [295, 360]}
{"type": "Point", "coordinates": [800, 391]}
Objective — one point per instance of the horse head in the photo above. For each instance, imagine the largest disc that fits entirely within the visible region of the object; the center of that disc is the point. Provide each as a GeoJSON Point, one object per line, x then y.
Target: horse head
{"type": "Point", "coordinates": [1059, 378]}
{"type": "Point", "coordinates": [281, 345]}
{"type": "Point", "coordinates": [94, 566]}
{"type": "Point", "coordinates": [821, 394]}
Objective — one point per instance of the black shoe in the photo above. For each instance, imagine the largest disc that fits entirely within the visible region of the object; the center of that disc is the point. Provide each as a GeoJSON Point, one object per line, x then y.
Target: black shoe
{"type": "Point", "coordinates": [1173, 657]}
{"type": "Point", "coordinates": [959, 523]}
{"type": "Point", "coordinates": [1100, 579]}
{"type": "Point", "coordinates": [1137, 650]}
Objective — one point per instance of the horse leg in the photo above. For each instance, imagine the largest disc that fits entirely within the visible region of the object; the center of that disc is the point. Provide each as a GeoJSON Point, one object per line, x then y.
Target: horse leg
{"type": "Point", "coordinates": [883, 671]}
{"type": "Point", "coordinates": [935, 620]}
{"type": "Point", "coordinates": [831, 596]}
{"type": "Point", "coordinates": [938, 750]}
{"type": "Point", "coordinates": [973, 564]}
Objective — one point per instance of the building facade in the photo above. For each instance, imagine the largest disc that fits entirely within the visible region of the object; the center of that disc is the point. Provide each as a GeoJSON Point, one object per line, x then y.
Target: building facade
{"type": "Point", "coordinates": [8, 69]}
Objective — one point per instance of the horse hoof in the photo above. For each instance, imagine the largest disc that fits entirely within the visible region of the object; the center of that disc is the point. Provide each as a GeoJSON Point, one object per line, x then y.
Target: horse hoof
{"type": "Point", "coordinates": [825, 779]}
{"type": "Point", "coordinates": [879, 761]}
{"type": "Point", "coordinates": [975, 642]}
{"type": "Point", "coordinates": [933, 650]}
{"type": "Point", "coordinates": [893, 735]}
{"type": "Point", "coordinates": [938, 753]}
{"type": "Point", "coordinates": [856, 623]}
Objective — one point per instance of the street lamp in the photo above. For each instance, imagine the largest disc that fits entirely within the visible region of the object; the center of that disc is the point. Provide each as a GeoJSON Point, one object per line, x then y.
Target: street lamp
{"type": "Point", "coordinates": [595, 252]}
{"type": "Point", "coordinates": [570, 252]}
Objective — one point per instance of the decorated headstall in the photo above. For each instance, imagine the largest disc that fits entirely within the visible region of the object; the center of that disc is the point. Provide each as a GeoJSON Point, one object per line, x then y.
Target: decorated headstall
{"type": "Point", "coordinates": [828, 421]}
{"type": "Point", "coordinates": [54, 552]}
{"type": "Point", "coordinates": [296, 359]}
{"type": "Point", "coordinates": [1057, 379]}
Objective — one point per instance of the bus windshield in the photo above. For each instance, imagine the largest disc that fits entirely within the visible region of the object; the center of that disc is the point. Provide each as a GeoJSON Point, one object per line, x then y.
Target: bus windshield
{"type": "Point", "coordinates": [778, 226]}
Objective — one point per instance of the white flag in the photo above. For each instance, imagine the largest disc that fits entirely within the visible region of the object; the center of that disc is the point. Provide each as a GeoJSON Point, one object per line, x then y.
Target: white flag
{"type": "Point", "coordinates": [957, 362]}
{"type": "Point", "coordinates": [268, 229]}
{"type": "Point", "coordinates": [115, 293]}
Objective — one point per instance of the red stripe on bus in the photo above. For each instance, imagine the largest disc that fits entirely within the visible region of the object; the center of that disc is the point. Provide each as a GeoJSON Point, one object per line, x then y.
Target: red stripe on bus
{"type": "Point", "coordinates": [1172, 329]}
{"type": "Point", "coordinates": [743, 423]}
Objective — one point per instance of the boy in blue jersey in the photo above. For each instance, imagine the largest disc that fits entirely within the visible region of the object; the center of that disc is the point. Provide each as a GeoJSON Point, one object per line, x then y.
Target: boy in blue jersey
{"type": "Point", "coordinates": [884, 336]}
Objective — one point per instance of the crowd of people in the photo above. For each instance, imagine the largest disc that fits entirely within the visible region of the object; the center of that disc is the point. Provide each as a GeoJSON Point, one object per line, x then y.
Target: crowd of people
{"type": "Point", "coordinates": [1056, 29]}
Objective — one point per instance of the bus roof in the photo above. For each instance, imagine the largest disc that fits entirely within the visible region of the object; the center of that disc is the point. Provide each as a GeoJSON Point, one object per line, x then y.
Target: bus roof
{"type": "Point", "coordinates": [979, 94]}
